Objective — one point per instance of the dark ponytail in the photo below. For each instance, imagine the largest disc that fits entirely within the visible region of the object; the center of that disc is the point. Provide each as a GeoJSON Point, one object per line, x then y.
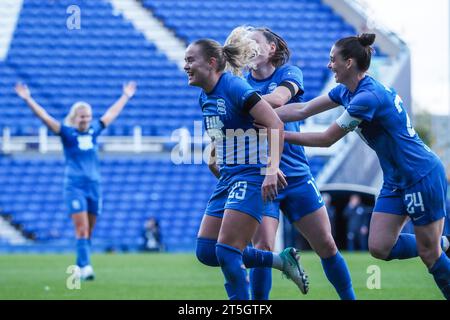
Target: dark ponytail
{"type": "Point", "coordinates": [358, 48]}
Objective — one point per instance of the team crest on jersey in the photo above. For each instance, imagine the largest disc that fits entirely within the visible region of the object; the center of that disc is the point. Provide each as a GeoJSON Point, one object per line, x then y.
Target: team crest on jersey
{"type": "Point", "coordinates": [85, 142]}
{"type": "Point", "coordinates": [221, 107]}
{"type": "Point", "coordinates": [272, 86]}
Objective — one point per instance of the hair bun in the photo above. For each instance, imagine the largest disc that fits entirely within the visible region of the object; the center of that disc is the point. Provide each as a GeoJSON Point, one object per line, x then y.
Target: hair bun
{"type": "Point", "coordinates": [366, 39]}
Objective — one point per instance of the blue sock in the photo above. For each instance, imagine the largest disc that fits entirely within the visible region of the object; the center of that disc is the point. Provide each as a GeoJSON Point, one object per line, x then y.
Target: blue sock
{"type": "Point", "coordinates": [260, 283]}
{"type": "Point", "coordinates": [254, 258]}
{"type": "Point", "coordinates": [83, 253]}
{"type": "Point", "coordinates": [337, 273]}
{"type": "Point", "coordinates": [441, 273]}
{"type": "Point", "coordinates": [236, 281]}
{"type": "Point", "coordinates": [206, 252]}
{"type": "Point", "coordinates": [404, 248]}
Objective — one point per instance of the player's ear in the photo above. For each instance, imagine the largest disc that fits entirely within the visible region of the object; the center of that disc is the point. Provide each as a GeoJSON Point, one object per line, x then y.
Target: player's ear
{"type": "Point", "coordinates": [213, 63]}
{"type": "Point", "coordinates": [349, 63]}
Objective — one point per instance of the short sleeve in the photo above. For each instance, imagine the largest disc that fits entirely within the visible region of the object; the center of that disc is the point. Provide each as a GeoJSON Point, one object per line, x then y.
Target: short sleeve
{"type": "Point", "coordinates": [65, 132]}
{"type": "Point", "coordinates": [363, 106]}
{"type": "Point", "coordinates": [335, 94]}
{"type": "Point", "coordinates": [295, 75]}
{"type": "Point", "coordinates": [98, 127]}
{"type": "Point", "coordinates": [240, 92]}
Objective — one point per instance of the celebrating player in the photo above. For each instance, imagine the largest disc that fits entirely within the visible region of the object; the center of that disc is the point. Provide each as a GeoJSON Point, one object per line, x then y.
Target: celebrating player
{"type": "Point", "coordinates": [414, 177]}
{"type": "Point", "coordinates": [82, 189]}
{"type": "Point", "coordinates": [300, 201]}
{"type": "Point", "coordinates": [229, 106]}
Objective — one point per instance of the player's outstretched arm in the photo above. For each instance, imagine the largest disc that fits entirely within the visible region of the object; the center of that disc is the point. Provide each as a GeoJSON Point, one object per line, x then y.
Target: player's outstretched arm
{"type": "Point", "coordinates": [129, 89]}
{"type": "Point", "coordinates": [300, 111]}
{"type": "Point", "coordinates": [24, 93]}
{"type": "Point", "coordinates": [316, 139]}
{"type": "Point", "coordinates": [281, 95]}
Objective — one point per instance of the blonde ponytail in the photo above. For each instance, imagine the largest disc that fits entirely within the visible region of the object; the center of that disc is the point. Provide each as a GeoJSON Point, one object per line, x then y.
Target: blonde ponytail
{"type": "Point", "coordinates": [239, 50]}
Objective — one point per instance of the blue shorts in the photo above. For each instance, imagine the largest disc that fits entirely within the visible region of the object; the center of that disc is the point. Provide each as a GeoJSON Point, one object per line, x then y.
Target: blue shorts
{"type": "Point", "coordinates": [423, 202]}
{"type": "Point", "coordinates": [83, 196]}
{"type": "Point", "coordinates": [299, 198]}
{"type": "Point", "coordinates": [237, 193]}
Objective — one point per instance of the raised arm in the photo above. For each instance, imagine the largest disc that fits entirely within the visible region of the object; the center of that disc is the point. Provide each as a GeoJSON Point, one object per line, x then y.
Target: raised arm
{"type": "Point", "coordinates": [301, 111]}
{"type": "Point", "coordinates": [113, 112]}
{"type": "Point", "coordinates": [24, 93]}
{"type": "Point", "coordinates": [263, 113]}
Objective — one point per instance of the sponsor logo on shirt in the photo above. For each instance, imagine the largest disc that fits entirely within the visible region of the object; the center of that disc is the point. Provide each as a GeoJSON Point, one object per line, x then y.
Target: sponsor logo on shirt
{"type": "Point", "coordinates": [85, 142]}
{"type": "Point", "coordinates": [272, 87]}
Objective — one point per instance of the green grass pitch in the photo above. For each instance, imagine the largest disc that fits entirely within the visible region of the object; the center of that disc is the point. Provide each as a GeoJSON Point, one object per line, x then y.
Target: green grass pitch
{"type": "Point", "coordinates": [180, 276]}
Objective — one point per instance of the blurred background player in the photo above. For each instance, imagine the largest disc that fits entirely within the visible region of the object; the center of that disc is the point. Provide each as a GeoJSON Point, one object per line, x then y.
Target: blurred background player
{"type": "Point", "coordinates": [357, 217]}
{"type": "Point", "coordinates": [82, 192]}
{"type": "Point", "coordinates": [414, 177]}
{"type": "Point", "coordinates": [152, 235]}
{"type": "Point", "coordinates": [235, 208]}
{"type": "Point", "coordinates": [300, 201]}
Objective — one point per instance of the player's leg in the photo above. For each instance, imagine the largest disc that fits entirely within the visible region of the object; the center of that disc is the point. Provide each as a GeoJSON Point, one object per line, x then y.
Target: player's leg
{"type": "Point", "coordinates": [235, 234]}
{"type": "Point", "coordinates": [94, 206]}
{"type": "Point", "coordinates": [385, 240]}
{"type": "Point", "coordinates": [388, 219]}
{"type": "Point", "coordinates": [425, 203]}
{"type": "Point", "coordinates": [81, 223]}
{"type": "Point", "coordinates": [387, 243]}
{"type": "Point", "coordinates": [93, 209]}
{"type": "Point", "coordinates": [77, 207]}
{"type": "Point", "coordinates": [92, 219]}
{"type": "Point", "coordinates": [264, 239]}
{"type": "Point", "coordinates": [210, 226]}
{"type": "Point", "coordinates": [250, 201]}
{"type": "Point", "coordinates": [207, 239]}
{"type": "Point", "coordinates": [304, 207]}
{"type": "Point", "coordinates": [429, 247]}
{"type": "Point", "coordinates": [316, 228]}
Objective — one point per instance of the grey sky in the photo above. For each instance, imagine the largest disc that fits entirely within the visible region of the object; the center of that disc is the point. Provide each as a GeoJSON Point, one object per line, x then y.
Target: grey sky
{"type": "Point", "coordinates": [424, 26]}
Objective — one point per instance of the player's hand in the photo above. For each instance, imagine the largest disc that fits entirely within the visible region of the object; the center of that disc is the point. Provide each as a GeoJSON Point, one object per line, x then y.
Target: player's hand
{"type": "Point", "coordinates": [22, 91]}
{"type": "Point", "coordinates": [282, 182]}
{"type": "Point", "coordinates": [129, 89]}
{"type": "Point", "coordinates": [269, 187]}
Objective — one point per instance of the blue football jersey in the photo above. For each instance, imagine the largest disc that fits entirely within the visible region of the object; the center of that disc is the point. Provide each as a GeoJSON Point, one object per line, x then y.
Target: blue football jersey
{"type": "Point", "coordinates": [80, 151]}
{"type": "Point", "coordinates": [238, 146]}
{"type": "Point", "coordinates": [293, 159]}
{"type": "Point", "coordinates": [387, 129]}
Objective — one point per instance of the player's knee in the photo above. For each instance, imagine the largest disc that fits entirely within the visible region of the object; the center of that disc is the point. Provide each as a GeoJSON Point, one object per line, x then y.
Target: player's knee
{"type": "Point", "coordinates": [379, 251]}
{"type": "Point", "coordinates": [206, 252]}
{"type": "Point", "coordinates": [327, 247]}
{"type": "Point", "coordinates": [82, 231]}
{"type": "Point", "coordinates": [428, 255]}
